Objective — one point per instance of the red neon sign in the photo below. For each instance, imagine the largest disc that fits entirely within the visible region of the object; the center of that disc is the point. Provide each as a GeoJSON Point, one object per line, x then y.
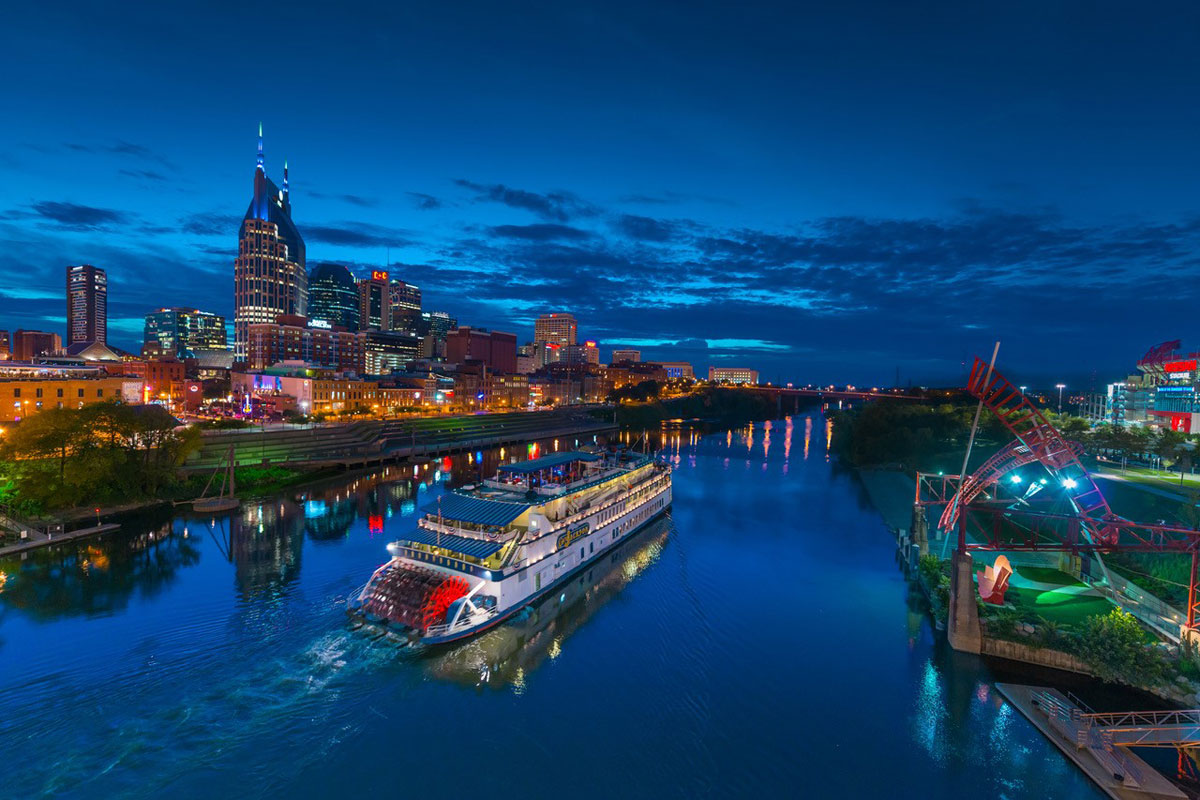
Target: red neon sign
{"type": "Point", "coordinates": [379, 275]}
{"type": "Point", "coordinates": [1188, 365]}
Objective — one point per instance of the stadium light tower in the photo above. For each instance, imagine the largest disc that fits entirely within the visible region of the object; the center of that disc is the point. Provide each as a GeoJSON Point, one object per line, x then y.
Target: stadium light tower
{"type": "Point", "coordinates": [1060, 387]}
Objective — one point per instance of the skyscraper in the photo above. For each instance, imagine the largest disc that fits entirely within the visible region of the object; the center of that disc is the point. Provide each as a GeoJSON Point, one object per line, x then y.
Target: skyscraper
{"type": "Point", "coordinates": [406, 306]}
{"type": "Point", "coordinates": [269, 275]}
{"type": "Point", "coordinates": [333, 296]}
{"type": "Point", "coordinates": [183, 331]}
{"type": "Point", "coordinates": [374, 302]}
{"type": "Point", "coordinates": [87, 304]}
{"type": "Point", "coordinates": [559, 329]}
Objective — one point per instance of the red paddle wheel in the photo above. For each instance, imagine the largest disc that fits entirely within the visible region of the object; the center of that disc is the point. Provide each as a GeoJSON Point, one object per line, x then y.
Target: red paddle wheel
{"type": "Point", "coordinates": [412, 596]}
{"type": "Point", "coordinates": [439, 600]}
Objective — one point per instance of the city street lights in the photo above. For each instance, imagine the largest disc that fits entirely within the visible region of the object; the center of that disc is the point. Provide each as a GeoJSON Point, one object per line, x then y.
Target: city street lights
{"type": "Point", "coordinates": [1060, 387]}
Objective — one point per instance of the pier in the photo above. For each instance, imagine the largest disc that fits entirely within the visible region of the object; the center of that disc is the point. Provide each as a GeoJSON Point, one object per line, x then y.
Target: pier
{"type": "Point", "coordinates": [34, 537]}
{"type": "Point", "coordinates": [1099, 743]}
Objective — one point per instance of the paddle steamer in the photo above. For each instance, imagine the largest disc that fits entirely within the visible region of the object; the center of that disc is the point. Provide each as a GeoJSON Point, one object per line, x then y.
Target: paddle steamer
{"type": "Point", "coordinates": [481, 553]}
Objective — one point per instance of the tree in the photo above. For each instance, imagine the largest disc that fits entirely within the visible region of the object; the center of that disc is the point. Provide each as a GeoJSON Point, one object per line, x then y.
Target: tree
{"type": "Point", "coordinates": [1114, 645]}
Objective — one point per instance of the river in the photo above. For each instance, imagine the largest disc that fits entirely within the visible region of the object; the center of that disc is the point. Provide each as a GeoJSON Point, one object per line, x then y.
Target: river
{"type": "Point", "coordinates": [758, 641]}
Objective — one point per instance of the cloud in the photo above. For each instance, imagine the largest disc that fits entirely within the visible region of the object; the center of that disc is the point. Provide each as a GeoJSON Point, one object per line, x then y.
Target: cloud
{"type": "Point", "coordinates": [541, 232]}
{"type": "Point", "coordinates": [425, 202]}
{"type": "Point", "coordinates": [645, 228]}
{"type": "Point", "coordinates": [119, 147]}
{"type": "Point", "coordinates": [352, 199]}
{"type": "Point", "coordinates": [71, 216]}
{"type": "Point", "coordinates": [147, 174]}
{"type": "Point", "coordinates": [354, 234]}
{"type": "Point", "coordinates": [556, 206]}
{"type": "Point", "coordinates": [210, 223]}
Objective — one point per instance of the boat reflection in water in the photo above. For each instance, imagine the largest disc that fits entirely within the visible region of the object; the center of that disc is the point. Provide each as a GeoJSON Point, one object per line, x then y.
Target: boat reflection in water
{"type": "Point", "coordinates": [506, 654]}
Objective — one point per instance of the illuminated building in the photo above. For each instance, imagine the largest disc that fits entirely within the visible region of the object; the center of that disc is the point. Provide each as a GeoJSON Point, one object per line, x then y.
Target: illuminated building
{"type": "Point", "coordinates": [28, 345]}
{"type": "Point", "coordinates": [560, 329]}
{"type": "Point", "coordinates": [632, 356]}
{"type": "Point", "coordinates": [678, 369]}
{"type": "Point", "coordinates": [732, 375]}
{"type": "Point", "coordinates": [181, 331]}
{"type": "Point", "coordinates": [494, 349]}
{"type": "Point", "coordinates": [333, 296]}
{"type": "Point", "coordinates": [269, 274]}
{"type": "Point", "coordinates": [386, 351]}
{"type": "Point", "coordinates": [586, 353]}
{"type": "Point", "coordinates": [374, 303]}
{"type": "Point", "coordinates": [293, 338]}
{"type": "Point", "coordinates": [5, 346]}
{"type": "Point", "coordinates": [435, 327]}
{"type": "Point", "coordinates": [22, 396]}
{"type": "Point", "coordinates": [87, 304]}
{"type": "Point", "coordinates": [405, 300]}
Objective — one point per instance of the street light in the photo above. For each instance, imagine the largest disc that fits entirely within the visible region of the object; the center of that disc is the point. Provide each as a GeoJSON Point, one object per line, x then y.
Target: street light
{"type": "Point", "coordinates": [1023, 388]}
{"type": "Point", "coordinates": [1060, 387]}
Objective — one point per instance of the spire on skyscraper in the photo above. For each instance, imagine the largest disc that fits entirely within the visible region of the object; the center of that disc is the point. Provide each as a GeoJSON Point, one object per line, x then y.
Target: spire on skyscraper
{"type": "Point", "coordinates": [261, 168]}
{"type": "Point", "coordinates": [285, 186]}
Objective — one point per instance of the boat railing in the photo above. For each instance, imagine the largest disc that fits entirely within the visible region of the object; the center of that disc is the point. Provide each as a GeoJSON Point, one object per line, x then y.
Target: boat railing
{"type": "Point", "coordinates": [482, 615]}
{"type": "Point", "coordinates": [623, 496]}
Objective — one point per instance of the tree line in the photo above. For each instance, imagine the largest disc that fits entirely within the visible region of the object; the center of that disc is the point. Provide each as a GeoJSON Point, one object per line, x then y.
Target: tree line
{"type": "Point", "coordinates": [100, 454]}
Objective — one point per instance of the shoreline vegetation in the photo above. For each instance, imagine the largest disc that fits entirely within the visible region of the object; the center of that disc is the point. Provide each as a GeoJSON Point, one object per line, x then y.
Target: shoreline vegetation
{"type": "Point", "coordinates": [638, 409]}
{"type": "Point", "coordinates": [1084, 634]}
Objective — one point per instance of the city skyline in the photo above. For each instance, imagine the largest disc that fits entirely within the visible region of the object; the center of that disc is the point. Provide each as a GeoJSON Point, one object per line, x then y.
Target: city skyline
{"type": "Point", "coordinates": [722, 191]}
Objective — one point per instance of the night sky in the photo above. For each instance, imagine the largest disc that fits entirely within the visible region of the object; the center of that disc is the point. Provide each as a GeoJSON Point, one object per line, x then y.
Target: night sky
{"type": "Point", "coordinates": [827, 193]}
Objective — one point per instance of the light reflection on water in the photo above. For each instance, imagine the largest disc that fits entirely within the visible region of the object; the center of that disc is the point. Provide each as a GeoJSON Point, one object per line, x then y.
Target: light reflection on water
{"type": "Point", "coordinates": [756, 641]}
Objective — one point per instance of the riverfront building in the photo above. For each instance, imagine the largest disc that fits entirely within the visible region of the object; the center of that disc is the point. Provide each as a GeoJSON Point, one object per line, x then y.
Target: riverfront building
{"type": "Point", "coordinates": [732, 375]}
{"type": "Point", "coordinates": [22, 396]}
{"type": "Point", "coordinates": [269, 273]}
{"type": "Point", "coordinates": [333, 297]}
{"type": "Point", "coordinates": [87, 304]}
{"type": "Point", "coordinates": [182, 331]}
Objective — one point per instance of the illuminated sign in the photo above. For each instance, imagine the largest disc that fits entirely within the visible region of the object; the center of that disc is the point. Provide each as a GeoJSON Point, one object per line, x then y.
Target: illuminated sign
{"type": "Point", "coordinates": [1179, 376]}
{"type": "Point", "coordinates": [379, 275]}
{"type": "Point", "coordinates": [1187, 365]}
{"type": "Point", "coordinates": [590, 344]}
{"type": "Point", "coordinates": [319, 323]}
{"type": "Point", "coordinates": [566, 539]}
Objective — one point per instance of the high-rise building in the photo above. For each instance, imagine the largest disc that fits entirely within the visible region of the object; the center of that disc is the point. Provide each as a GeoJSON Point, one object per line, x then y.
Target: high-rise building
{"type": "Point", "coordinates": [586, 353]}
{"type": "Point", "coordinates": [497, 350]}
{"type": "Point", "coordinates": [269, 274]}
{"type": "Point", "coordinates": [5, 346]}
{"type": "Point", "coordinates": [28, 345]}
{"type": "Point", "coordinates": [435, 327]}
{"type": "Point", "coordinates": [560, 329]}
{"type": "Point", "coordinates": [632, 356]}
{"type": "Point", "coordinates": [87, 304]}
{"type": "Point", "coordinates": [375, 302]}
{"type": "Point", "coordinates": [333, 296]}
{"type": "Point", "coordinates": [406, 306]}
{"type": "Point", "coordinates": [182, 331]}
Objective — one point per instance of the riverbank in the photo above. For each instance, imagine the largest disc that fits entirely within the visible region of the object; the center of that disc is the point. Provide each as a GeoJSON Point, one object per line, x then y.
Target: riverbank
{"type": "Point", "coordinates": [1012, 634]}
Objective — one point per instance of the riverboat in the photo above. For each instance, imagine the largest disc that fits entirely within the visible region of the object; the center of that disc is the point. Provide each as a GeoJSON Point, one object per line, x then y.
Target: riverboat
{"type": "Point", "coordinates": [481, 553]}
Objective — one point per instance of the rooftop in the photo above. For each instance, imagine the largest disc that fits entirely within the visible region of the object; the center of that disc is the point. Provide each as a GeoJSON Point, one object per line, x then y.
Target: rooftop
{"type": "Point", "coordinates": [547, 462]}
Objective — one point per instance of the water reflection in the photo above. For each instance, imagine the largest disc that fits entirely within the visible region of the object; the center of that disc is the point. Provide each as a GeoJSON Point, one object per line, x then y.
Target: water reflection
{"type": "Point", "coordinates": [98, 576]}
{"type": "Point", "coordinates": [507, 654]}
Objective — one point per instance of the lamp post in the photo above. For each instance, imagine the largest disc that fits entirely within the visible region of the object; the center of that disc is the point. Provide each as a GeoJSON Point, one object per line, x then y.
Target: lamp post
{"type": "Point", "coordinates": [1060, 387]}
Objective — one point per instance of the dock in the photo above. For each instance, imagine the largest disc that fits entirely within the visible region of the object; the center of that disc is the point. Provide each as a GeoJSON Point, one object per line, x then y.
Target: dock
{"type": "Point", "coordinates": [1084, 738]}
{"type": "Point", "coordinates": [39, 538]}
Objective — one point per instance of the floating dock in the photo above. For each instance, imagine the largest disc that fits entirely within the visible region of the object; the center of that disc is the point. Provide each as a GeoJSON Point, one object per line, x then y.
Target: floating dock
{"type": "Point", "coordinates": [1094, 746]}
{"type": "Point", "coordinates": [39, 538]}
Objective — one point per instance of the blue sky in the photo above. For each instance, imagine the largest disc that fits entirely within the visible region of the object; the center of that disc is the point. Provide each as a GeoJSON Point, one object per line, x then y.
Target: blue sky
{"type": "Point", "coordinates": [828, 192]}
